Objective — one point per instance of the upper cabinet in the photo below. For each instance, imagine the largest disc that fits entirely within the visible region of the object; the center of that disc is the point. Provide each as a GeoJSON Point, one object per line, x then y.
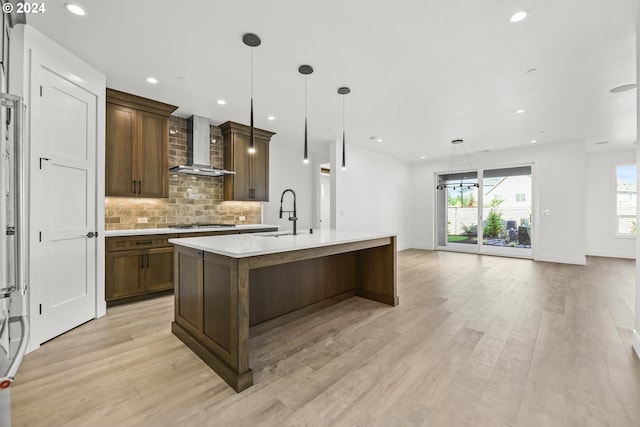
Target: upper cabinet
{"type": "Point", "coordinates": [251, 181]}
{"type": "Point", "coordinates": [137, 145]}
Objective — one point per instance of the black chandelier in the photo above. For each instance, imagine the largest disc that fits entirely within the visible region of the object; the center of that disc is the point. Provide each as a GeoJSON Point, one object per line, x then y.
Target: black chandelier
{"type": "Point", "coordinates": [455, 185]}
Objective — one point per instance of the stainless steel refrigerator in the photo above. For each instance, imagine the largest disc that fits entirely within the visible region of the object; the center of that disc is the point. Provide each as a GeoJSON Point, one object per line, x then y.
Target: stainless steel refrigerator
{"type": "Point", "coordinates": [14, 325]}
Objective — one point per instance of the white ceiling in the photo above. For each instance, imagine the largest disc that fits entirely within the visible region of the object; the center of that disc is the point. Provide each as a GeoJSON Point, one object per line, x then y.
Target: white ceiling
{"type": "Point", "coordinates": [421, 72]}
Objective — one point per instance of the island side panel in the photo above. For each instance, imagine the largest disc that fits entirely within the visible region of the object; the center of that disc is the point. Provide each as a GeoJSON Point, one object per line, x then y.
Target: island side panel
{"type": "Point", "coordinates": [187, 273]}
{"type": "Point", "coordinates": [280, 289]}
{"type": "Point", "coordinates": [376, 273]}
{"type": "Point", "coordinates": [208, 291]}
{"type": "Point", "coordinates": [217, 302]}
{"type": "Point", "coordinates": [241, 327]}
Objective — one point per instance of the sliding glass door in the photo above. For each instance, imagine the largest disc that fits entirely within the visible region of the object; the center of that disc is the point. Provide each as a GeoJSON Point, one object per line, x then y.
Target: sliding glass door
{"type": "Point", "coordinates": [486, 211]}
{"type": "Point", "coordinates": [506, 211]}
{"type": "Point", "coordinates": [458, 210]}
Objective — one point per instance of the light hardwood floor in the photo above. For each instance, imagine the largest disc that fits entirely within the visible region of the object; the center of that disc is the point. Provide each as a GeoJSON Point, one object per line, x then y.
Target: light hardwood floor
{"type": "Point", "coordinates": [475, 341]}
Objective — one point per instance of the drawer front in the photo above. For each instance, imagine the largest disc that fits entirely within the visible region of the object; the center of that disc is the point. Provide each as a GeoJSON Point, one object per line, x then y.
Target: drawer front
{"type": "Point", "coordinates": [114, 244]}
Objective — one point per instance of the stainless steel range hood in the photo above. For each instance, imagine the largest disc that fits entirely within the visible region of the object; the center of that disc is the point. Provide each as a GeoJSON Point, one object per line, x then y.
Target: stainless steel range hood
{"type": "Point", "coordinates": [198, 157]}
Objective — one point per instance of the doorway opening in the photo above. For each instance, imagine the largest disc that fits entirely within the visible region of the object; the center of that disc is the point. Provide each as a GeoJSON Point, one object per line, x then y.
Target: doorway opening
{"type": "Point", "coordinates": [325, 196]}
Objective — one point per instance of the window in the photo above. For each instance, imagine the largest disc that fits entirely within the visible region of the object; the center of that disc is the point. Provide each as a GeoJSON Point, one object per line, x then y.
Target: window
{"type": "Point", "coordinates": [626, 196]}
{"type": "Point", "coordinates": [520, 197]}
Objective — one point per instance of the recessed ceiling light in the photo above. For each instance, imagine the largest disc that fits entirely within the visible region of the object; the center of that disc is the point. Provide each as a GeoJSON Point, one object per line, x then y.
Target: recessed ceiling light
{"type": "Point", "coordinates": [601, 143]}
{"type": "Point", "coordinates": [531, 70]}
{"type": "Point", "coordinates": [423, 157]}
{"type": "Point", "coordinates": [379, 140]}
{"type": "Point", "coordinates": [623, 88]}
{"type": "Point", "coordinates": [519, 16]}
{"type": "Point", "coordinates": [152, 80]}
{"type": "Point", "coordinates": [519, 111]}
{"type": "Point", "coordinates": [533, 141]}
{"type": "Point", "coordinates": [271, 118]}
{"type": "Point", "coordinates": [485, 151]}
{"type": "Point", "coordinates": [221, 101]}
{"type": "Point", "coordinates": [75, 9]}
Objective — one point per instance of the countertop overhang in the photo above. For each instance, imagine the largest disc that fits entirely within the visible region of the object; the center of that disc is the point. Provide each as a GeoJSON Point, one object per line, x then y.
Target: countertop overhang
{"type": "Point", "coordinates": [248, 245]}
{"type": "Point", "coordinates": [147, 231]}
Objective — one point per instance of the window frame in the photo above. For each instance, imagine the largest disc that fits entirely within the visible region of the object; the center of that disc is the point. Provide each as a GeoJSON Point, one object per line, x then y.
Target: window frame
{"type": "Point", "coordinates": [616, 216]}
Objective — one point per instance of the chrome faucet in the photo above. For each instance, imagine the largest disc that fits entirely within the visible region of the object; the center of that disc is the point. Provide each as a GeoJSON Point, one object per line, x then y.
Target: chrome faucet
{"type": "Point", "coordinates": [292, 214]}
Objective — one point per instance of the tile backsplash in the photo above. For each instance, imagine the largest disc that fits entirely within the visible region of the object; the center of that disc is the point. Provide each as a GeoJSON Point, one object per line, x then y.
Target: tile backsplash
{"type": "Point", "coordinates": [191, 199]}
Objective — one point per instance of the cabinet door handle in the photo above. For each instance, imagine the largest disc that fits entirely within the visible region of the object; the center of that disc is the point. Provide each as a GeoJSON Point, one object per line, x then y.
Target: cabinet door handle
{"type": "Point", "coordinates": [141, 261]}
{"type": "Point", "coordinates": [139, 187]}
{"type": "Point", "coordinates": [144, 243]}
{"type": "Point", "coordinates": [134, 186]}
{"type": "Point", "coordinates": [252, 193]}
{"type": "Point", "coordinates": [147, 260]}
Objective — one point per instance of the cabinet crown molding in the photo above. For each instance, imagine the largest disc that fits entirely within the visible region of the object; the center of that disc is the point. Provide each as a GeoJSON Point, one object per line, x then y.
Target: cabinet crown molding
{"type": "Point", "coordinates": [139, 103]}
{"type": "Point", "coordinates": [240, 129]}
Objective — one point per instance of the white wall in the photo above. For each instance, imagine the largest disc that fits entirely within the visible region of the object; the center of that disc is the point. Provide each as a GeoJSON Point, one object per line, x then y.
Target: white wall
{"type": "Point", "coordinates": [558, 183]}
{"type": "Point", "coordinates": [636, 329]}
{"type": "Point", "coordinates": [373, 193]}
{"type": "Point", "coordinates": [600, 232]}
{"type": "Point", "coordinates": [286, 170]}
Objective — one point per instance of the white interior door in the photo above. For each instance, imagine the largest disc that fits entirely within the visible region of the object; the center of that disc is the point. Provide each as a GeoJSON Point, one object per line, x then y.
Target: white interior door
{"type": "Point", "coordinates": [64, 163]}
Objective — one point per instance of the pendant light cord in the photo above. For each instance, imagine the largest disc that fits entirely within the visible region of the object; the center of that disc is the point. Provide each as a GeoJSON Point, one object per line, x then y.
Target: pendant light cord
{"type": "Point", "coordinates": [452, 159]}
{"type": "Point", "coordinates": [467, 155]}
{"type": "Point", "coordinates": [343, 114]}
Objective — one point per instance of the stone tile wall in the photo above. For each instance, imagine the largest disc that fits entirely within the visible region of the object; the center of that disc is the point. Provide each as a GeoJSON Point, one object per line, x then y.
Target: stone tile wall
{"type": "Point", "coordinates": [191, 199]}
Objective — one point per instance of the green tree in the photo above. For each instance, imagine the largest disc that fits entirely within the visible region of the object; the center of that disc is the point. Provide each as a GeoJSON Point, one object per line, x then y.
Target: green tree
{"type": "Point", "coordinates": [493, 227]}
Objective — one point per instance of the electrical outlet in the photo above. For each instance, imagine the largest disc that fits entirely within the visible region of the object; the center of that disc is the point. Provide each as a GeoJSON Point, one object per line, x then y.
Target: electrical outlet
{"type": "Point", "coordinates": [143, 220]}
{"type": "Point", "coordinates": [242, 218]}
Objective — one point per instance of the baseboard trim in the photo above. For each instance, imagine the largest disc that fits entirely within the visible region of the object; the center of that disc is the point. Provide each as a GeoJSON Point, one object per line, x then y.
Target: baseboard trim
{"type": "Point", "coordinates": [636, 342]}
{"type": "Point", "coordinates": [611, 254]}
{"type": "Point", "coordinates": [562, 260]}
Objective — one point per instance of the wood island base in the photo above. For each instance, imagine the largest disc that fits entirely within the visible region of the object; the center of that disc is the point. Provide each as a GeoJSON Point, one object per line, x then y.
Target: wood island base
{"type": "Point", "coordinates": [218, 298]}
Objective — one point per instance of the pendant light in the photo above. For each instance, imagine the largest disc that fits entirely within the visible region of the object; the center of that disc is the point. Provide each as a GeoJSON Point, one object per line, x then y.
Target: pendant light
{"type": "Point", "coordinates": [343, 91]}
{"type": "Point", "coordinates": [252, 41]}
{"type": "Point", "coordinates": [305, 70]}
{"type": "Point", "coordinates": [462, 184]}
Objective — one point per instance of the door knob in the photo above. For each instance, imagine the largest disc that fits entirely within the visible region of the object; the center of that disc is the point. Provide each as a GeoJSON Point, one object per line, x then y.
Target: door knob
{"type": "Point", "coordinates": [92, 234]}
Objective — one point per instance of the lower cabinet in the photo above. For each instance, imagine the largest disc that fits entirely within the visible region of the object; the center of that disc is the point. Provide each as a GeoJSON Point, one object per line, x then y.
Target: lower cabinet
{"type": "Point", "coordinates": [141, 265]}
{"type": "Point", "coordinates": [137, 266]}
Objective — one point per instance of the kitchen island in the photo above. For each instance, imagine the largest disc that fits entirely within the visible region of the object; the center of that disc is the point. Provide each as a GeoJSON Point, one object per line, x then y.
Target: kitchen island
{"type": "Point", "coordinates": [226, 284]}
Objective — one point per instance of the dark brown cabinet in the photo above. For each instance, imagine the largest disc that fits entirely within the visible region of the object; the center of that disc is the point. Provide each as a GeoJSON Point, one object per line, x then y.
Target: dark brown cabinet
{"type": "Point", "coordinates": [138, 265]}
{"type": "Point", "coordinates": [251, 181]}
{"type": "Point", "coordinates": [137, 146]}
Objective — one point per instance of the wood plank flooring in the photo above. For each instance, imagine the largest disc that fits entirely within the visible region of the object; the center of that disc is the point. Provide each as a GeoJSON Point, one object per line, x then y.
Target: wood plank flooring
{"type": "Point", "coordinates": [475, 341]}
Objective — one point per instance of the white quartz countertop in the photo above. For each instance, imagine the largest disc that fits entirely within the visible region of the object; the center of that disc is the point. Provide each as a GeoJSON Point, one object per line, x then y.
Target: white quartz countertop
{"type": "Point", "coordinates": [147, 231]}
{"type": "Point", "coordinates": [247, 245]}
